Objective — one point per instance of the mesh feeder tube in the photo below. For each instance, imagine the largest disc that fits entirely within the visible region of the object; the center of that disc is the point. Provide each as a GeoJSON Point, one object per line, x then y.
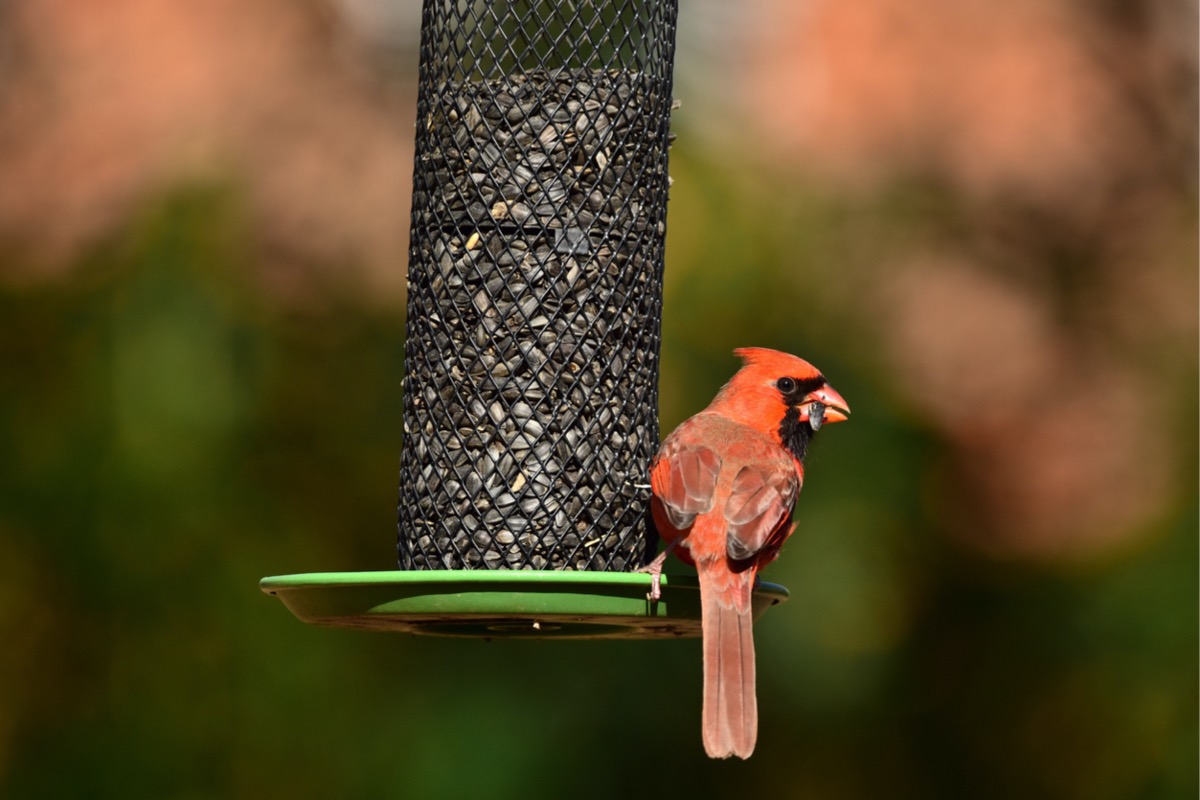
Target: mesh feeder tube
{"type": "Point", "coordinates": [535, 284]}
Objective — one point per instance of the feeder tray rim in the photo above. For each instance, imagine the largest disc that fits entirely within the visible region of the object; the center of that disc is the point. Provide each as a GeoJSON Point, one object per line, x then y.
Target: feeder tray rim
{"type": "Point", "coordinates": [503, 603]}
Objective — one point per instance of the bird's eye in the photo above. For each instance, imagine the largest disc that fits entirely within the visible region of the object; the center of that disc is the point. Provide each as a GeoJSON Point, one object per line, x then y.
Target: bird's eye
{"type": "Point", "coordinates": [785, 385]}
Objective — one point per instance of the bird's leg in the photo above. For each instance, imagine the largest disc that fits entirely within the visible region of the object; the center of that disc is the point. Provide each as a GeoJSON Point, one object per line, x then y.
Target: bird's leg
{"type": "Point", "coordinates": [655, 568]}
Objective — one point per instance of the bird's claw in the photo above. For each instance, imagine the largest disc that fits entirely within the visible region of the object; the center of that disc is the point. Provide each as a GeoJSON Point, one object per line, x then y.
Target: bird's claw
{"type": "Point", "coordinates": [655, 592]}
{"type": "Point", "coordinates": [654, 568]}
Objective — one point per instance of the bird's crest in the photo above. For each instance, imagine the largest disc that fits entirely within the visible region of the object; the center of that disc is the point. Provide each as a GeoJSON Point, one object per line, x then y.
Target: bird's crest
{"type": "Point", "coordinates": [776, 361]}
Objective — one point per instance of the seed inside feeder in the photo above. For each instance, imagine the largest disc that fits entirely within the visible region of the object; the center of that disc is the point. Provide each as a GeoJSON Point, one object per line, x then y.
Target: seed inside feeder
{"type": "Point", "coordinates": [534, 297]}
{"type": "Point", "coordinates": [564, 148]}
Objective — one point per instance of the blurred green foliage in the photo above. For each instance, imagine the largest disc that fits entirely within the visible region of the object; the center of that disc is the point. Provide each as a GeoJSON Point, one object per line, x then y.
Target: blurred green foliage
{"type": "Point", "coordinates": [171, 434]}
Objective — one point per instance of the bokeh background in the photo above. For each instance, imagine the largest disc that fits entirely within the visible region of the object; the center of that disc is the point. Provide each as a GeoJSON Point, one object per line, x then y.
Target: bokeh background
{"type": "Point", "coordinates": [979, 219]}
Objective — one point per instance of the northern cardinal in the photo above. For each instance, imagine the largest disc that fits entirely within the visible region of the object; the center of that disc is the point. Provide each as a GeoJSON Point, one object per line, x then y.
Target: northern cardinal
{"type": "Point", "coordinates": [724, 486]}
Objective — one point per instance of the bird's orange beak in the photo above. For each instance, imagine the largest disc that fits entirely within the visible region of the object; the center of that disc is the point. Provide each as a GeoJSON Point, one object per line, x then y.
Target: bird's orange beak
{"type": "Point", "coordinates": [834, 407]}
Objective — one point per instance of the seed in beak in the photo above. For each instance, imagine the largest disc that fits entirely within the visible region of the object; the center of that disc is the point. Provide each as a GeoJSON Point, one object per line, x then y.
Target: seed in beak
{"type": "Point", "coordinates": [816, 415]}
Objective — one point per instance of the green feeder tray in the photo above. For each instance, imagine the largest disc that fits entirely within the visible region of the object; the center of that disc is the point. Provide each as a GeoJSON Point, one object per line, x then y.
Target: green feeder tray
{"type": "Point", "coordinates": [503, 603]}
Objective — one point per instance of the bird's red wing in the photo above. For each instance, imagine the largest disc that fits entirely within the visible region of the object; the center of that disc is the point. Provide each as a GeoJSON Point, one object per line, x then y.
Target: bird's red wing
{"type": "Point", "coordinates": [684, 479]}
{"type": "Point", "coordinates": [759, 505]}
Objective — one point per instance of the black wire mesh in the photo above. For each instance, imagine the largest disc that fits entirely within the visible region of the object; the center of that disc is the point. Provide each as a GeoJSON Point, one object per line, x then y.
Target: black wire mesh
{"type": "Point", "coordinates": [535, 284]}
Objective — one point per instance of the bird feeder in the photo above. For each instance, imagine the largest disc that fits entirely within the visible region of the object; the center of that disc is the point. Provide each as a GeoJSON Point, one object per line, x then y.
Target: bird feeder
{"type": "Point", "coordinates": [532, 343]}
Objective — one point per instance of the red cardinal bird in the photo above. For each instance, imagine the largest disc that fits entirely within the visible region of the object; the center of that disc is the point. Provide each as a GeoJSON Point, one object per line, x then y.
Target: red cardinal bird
{"type": "Point", "coordinates": [725, 483]}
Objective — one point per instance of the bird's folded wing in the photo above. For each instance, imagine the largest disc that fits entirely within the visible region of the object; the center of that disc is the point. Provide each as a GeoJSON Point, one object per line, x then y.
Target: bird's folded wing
{"type": "Point", "coordinates": [759, 505]}
{"type": "Point", "coordinates": [684, 478]}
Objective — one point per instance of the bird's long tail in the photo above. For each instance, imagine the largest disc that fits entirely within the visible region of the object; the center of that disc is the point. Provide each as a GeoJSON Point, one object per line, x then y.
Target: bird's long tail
{"type": "Point", "coordinates": [730, 725]}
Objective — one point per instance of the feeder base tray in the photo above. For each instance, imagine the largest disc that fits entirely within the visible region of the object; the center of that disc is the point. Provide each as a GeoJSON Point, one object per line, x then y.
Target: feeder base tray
{"type": "Point", "coordinates": [503, 603]}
